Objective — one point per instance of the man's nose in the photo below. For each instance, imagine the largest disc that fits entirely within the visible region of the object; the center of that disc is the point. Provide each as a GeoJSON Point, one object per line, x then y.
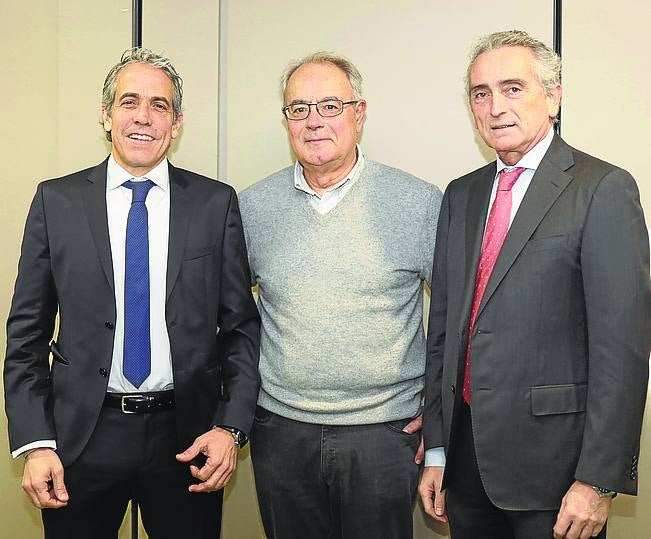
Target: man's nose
{"type": "Point", "coordinates": [314, 119]}
{"type": "Point", "coordinates": [142, 114]}
{"type": "Point", "coordinates": [498, 104]}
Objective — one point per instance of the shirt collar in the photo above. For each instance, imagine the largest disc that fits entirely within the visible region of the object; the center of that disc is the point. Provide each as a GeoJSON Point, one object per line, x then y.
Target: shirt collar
{"type": "Point", "coordinates": [301, 184]}
{"type": "Point", "coordinates": [533, 157]}
{"type": "Point", "coordinates": [116, 175]}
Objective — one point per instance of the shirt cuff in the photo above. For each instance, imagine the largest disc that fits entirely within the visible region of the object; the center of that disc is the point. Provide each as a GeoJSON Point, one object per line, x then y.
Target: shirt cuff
{"type": "Point", "coordinates": [24, 450]}
{"type": "Point", "coordinates": [435, 456]}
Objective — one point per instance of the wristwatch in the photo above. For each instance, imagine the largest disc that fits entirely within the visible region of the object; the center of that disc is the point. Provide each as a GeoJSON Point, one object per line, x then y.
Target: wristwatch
{"type": "Point", "coordinates": [239, 438]}
{"type": "Point", "coordinates": [604, 492]}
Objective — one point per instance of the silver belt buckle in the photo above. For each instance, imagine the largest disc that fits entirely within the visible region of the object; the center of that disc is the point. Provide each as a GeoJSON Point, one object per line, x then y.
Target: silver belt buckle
{"type": "Point", "coordinates": [122, 402]}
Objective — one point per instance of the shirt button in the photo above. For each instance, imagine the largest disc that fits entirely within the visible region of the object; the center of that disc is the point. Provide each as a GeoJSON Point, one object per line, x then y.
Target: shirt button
{"type": "Point", "coordinates": [109, 325]}
{"type": "Point", "coordinates": [103, 372]}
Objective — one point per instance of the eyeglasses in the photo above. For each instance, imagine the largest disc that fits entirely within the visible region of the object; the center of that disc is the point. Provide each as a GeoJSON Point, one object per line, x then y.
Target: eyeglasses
{"type": "Point", "coordinates": [326, 108]}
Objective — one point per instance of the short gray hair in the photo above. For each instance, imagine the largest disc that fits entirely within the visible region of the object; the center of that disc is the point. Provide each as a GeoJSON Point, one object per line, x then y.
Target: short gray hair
{"type": "Point", "coordinates": [323, 57]}
{"type": "Point", "coordinates": [139, 55]}
{"type": "Point", "coordinates": [548, 63]}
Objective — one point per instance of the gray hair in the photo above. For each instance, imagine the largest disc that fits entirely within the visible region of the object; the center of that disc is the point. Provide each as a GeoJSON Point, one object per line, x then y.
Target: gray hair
{"type": "Point", "coordinates": [323, 57]}
{"type": "Point", "coordinates": [548, 63]}
{"type": "Point", "coordinates": [142, 56]}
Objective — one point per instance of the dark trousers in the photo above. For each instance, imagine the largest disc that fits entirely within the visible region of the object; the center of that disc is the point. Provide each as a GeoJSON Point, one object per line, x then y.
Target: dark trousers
{"type": "Point", "coordinates": [334, 482]}
{"type": "Point", "coordinates": [133, 455]}
{"type": "Point", "coordinates": [471, 513]}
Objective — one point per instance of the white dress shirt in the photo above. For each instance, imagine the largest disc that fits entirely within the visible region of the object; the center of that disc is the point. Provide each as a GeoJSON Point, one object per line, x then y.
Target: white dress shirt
{"type": "Point", "coordinates": [435, 456]}
{"type": "Point", "coordinates": [118, 203]}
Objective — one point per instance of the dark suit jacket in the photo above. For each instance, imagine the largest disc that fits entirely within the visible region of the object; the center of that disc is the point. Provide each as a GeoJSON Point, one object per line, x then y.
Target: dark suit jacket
{"type": "Point", "coordinates": [66, 268]}
{"type": "Point", "coordinates": [561, 343]}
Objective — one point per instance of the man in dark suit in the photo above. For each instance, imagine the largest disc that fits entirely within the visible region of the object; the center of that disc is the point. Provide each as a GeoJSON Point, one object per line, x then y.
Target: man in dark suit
{"type": "Point", "coordinates": [540, 320]}
{"type": "Point", "coordinates": [157, 346]}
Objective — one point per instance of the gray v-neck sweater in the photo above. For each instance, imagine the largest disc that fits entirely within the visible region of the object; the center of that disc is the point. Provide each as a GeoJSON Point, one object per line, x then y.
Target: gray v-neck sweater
{"type": "Point", "coordinates": [340, 295]}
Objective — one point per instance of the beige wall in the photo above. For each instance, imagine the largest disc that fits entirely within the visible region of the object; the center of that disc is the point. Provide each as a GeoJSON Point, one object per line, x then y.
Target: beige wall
{"type": "Point", "coordinates": [607, 112]}
{"type": "Point", "coordinates": [412, 55]}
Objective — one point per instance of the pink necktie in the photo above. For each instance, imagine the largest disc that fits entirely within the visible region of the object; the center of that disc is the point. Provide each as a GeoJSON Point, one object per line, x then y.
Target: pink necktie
{"type": "Point", "coordinates": [496, 230]}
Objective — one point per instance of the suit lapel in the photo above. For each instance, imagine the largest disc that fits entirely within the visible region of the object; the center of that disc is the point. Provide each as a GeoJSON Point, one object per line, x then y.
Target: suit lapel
{"type": "Point", "coordinates": [180, 211]}
{"type": "Point", "coordinates": [94, 197]}
{"type": "Point", "coordinates": [548, 182]}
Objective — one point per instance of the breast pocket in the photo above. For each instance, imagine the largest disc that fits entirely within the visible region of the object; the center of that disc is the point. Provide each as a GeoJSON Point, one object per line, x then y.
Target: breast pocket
{"type": "Point", "coordinates": [191, 254]}
{"type": "Point", "coordinates": [556, 241]}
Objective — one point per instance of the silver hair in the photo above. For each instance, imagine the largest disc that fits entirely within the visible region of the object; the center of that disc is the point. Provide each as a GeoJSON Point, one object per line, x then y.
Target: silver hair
{"type": "Point", "coordinates": [323, 57]}
{"type": "Point", "coordinates": [142, 56]}
{"type": "Point", "coordinates": [548, 63]}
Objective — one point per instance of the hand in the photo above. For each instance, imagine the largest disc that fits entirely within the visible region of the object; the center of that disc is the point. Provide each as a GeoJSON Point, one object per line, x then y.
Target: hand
{"type": "Point", "coordinates": [430, 492]}
{"type": "Point", "coordinates": [220, 451]}
{"type": "Point", "coordinates": [414, 426]}
{"type": "Point", "coordinates": [583, 513]}
{"type": "Point", "coordinates": [43, 479]}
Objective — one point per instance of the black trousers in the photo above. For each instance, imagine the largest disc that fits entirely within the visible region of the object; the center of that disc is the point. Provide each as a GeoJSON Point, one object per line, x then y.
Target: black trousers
{"type": "Point", "coordinates": [471, 513]}
{"type": "Point", "coordinates": [334, 482]}
{"type": "Point", "coordinates": [133, 455]}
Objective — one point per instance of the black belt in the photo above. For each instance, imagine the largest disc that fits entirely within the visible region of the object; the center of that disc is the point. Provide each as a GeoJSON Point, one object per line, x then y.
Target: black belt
{"type": "Point", "coordinates": [140, 403]}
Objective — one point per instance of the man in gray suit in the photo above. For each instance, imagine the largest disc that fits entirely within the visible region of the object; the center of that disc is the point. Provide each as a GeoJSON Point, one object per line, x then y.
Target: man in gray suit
{"type": "Point", "coordinates": [539, 326]}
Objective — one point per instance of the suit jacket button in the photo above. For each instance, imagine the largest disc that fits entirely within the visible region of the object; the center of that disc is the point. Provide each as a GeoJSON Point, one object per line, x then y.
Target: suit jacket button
{"type": "Point", "coordinates": [453, 389]}
{"type": "Point", "coordinates": [103, 372]}
{"type": "Point", "coordinates": [109, 325]}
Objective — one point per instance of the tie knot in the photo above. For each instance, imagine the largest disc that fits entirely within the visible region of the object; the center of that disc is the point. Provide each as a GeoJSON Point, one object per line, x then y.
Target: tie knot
{"type": "Point", "coordinates": [140, 189]}
{"type": "Point", "coordinates": [508, 177]}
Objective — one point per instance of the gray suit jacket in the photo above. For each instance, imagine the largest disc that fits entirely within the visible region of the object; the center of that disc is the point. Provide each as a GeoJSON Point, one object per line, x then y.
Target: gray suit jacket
{"type": "Point", "coordinates": [66, 268]}
{"type": "Point", "coordinates": [561, 343]}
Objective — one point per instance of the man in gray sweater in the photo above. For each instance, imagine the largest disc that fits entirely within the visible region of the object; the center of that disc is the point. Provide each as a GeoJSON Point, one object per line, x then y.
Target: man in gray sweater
{"type": "Point", "coordinates": [340, 247]}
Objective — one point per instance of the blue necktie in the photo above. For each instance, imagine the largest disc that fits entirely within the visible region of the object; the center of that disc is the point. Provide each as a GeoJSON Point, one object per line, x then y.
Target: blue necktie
{"type": "Point", "coordinates": [136, 362]}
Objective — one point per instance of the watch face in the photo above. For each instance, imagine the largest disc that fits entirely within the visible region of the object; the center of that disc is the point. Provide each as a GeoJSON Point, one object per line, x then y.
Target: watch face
{"type": "Point", "coordinates": [604, 492]}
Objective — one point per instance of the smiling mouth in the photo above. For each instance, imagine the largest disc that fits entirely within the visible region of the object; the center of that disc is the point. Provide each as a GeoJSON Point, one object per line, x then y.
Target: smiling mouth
{"type": "Point", "coordinates": [137, 136]}
{"type": "Point", "coordinates": [503, 126]}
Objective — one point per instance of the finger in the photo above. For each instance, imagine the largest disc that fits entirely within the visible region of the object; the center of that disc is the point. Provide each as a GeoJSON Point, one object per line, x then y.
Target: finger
{"type": "Point", "coordinates": [597, 529]}
{"type": "Point", "coordinates": [194, 471]}
{"type": "Point", "coordinates": [59, 490]}
{"type": "Point", "coordinates": [31, 493]}
{"type": "Point", "coordinates": [46, 497]}
{"type": "Point", "coordinates": [213, 483]}
{"type": "Point", "coordinates": [206, 471]}
{"type": "Point", "coordinates": [562, 523]}
{"type": "Point", "coordinates": [189, 453]}
{"type": "Point", "coordinates": [560, 529]}
{"type": "Point", "coordinates": [420, 454]}
{"type": "Point", "coordinates": [224, 471]}
{"type": "Point", "coordinates": [439, 507]}
{"type": "Point", "coordinates": [414, 425]}
{"type": "Point", "coordinates": [574, 531]}
{"type": "Point", "coordinates": [426, 492]}
{"type": "Point", "coordinates": [587, 532]}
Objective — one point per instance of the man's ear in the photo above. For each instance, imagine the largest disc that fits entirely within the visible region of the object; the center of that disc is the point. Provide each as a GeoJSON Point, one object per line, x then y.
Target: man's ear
{"type": "Point", "coordinates": [554, 100]}
{"type": "Point", "coordinates": [176, 126]}
{"type": "Point", "coordinates": [107, 122]}
{"type": "Point", "coordinates": [360, 114]}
